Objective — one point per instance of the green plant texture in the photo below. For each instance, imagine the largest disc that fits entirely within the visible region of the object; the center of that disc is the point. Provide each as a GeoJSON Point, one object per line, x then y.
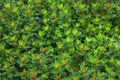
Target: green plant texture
{"type": "Point", "coordinates": [59, 39]}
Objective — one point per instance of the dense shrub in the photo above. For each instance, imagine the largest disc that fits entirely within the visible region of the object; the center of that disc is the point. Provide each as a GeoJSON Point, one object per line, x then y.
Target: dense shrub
{"type": "Point", "coordinates": [59, 39]}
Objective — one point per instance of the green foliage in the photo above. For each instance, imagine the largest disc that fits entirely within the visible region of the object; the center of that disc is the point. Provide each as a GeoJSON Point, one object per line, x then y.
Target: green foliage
{"type": "Point", "coordinates": [59, 39]}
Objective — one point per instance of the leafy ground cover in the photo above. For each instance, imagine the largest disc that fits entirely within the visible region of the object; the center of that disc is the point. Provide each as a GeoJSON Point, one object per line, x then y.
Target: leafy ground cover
{"type": "Point", "coordinates": [59, 39]}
